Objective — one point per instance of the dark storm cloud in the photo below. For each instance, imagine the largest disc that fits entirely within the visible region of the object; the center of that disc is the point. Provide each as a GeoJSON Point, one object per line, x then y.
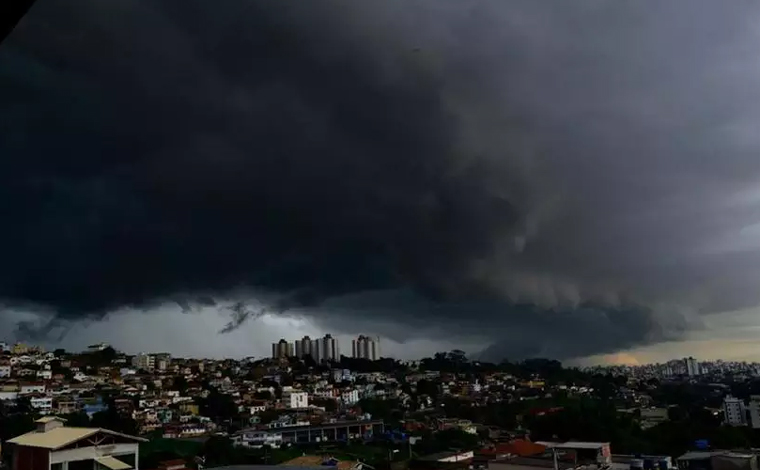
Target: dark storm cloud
{"type": "Point", "coordinates": [528, 169]}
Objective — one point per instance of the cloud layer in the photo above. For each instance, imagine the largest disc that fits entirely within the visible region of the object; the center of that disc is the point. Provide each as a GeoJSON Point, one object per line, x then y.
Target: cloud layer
{"type": "Point", "coordinates": [559, 179]}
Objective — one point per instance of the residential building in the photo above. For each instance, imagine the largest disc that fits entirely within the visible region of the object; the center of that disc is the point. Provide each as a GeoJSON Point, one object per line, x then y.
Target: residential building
{"type": "Point", "coordinates": [144, 361]}
{"type": "Point", "coordinates": [349, 397]}
{"type": "Point", "coordinates": [162, 361]}
{"type": "Point", "coordinates": [365, 347]}
{"type": "Point", "coordinates": [5, 371]}
{"type": "Point", "coordinates": [53, 446]}
{"type": "Point", "coordinates": [294, 399]}
{"type": "Point", "coordinates": [754, 411]}
{"type": "Point", "coordinates": [692, 367]}
{"type": "Point", "coordinates": [734, 411]}
{"type": "Point", "coordinates": [30, 388]}
{"type": "Point", "coordinates": [303, 347]}
{"type": "Point", "coordinates": [282, 349]}
{"type": "Point", "coordinates": [42, 405]}
{"type": "Point", "coordinates": [326, 349]}
{"type": "Point", "coordinates": [258, 438]}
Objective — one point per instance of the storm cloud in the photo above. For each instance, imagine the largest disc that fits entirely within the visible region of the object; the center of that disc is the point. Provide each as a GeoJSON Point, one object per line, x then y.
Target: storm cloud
{"type": "Point", "coordinates": [559, 179]}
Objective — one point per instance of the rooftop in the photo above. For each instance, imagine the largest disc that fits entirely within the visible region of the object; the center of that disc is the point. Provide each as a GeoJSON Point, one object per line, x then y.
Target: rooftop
{"type": "Point", "coordinates": [62, 436]}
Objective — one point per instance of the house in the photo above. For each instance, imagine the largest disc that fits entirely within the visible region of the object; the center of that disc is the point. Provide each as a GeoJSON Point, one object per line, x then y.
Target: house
{"type": "Point", "coordinates": [55, 446]}
{"type": "Point", "coordinates": [29, 388]}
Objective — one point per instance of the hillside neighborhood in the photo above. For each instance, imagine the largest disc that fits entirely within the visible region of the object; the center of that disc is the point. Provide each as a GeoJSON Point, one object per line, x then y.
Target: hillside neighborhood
{"type": "Point", "coordinates": [103, 408]}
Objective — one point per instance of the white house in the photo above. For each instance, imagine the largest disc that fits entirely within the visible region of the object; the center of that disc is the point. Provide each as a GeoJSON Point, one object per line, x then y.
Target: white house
{"type": "Point", "coordinates": [294, 399]}
{"type": "Point", "coordinates": [45, 374]}
{"type": "Point", "coordinates": [350, 397]}
{"type": "Point", "coordinates": [5, 371]}
{"type": "Point", "coordinates": [43, 405]}
{"type": "Point", "coordinates": [32, 388]}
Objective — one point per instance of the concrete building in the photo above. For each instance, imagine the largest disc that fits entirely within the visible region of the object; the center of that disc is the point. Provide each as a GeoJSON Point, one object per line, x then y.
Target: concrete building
{"type": "Point", "coordinates": [144, 361]}
{"type": "Point", "coordinates": [326, 349]}
{"type": "Point", "coordinates": [54, 446]}
{"type": "Point", "coordinates": [754, 411]}
{"type": "Point", "coordinates": [328, 432]}
{"type": "Point", "coordinates": [692, 367]}
{"type": "Point", "coordinates": [303, 347]}
{"type": "Point", "coordinates": [282, 349]}
{"type": "Point", "coordinates": [734, 411]}
{"type": "Point", "coordinates": [5, 371]}
{"type": "Point", "coordinates": [365, 347]}
{"type": "Point", "coordinates": [294, 399]}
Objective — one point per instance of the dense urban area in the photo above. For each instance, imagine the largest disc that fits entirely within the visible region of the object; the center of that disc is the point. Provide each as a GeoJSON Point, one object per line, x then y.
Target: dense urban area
{"type": "Point", "coordinates": [310, 406]}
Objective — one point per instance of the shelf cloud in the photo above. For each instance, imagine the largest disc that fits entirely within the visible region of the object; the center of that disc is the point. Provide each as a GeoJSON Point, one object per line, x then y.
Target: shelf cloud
{"type": "Point", "coordinates": [557, 179]}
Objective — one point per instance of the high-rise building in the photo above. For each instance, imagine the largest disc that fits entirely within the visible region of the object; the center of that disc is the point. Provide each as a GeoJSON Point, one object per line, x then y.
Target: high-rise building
{"type": "Point", "coordinates": [734, 411]}
{"type": "Point", "coordinates": [303, 347]}
{"type": "Point", "coordinates": [754, 411]}
{"type": "Point", "coordinates": [365, 347]}
{"type": "Point", "coordinates": [325, 349]}
{"type": "Point", "coordinates": [692, 366]}
{"type": "Point", "coordinates": [282, 349]}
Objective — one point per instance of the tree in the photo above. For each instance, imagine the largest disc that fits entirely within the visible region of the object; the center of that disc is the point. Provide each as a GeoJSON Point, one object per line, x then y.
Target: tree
{"type": "Point", "coordinates": [59, 352]}
{"type": "Point", "coordinates": [179, 383]}
{"type": "Point", "coordinates": [218, 406]}
{"type": "Point", "coordinates": [110, 418]}
{"type": "Point", "coordinates": [77, 420]}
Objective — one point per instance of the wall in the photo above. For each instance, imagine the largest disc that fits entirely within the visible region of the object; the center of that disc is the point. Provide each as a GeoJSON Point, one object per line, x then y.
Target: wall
{"type": "Point", "coordinates": [85, 453]}
{"type": "Point", "coordinates": [30, 458]}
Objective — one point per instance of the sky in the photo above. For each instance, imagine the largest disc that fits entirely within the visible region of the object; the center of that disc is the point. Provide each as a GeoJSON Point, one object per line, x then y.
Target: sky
{"type": "Point", "coordinates": [575, 180]}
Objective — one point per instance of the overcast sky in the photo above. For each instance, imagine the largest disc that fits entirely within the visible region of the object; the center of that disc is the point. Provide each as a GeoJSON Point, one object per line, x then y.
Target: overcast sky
{"type": "Point", "coordinates": [576, 180]}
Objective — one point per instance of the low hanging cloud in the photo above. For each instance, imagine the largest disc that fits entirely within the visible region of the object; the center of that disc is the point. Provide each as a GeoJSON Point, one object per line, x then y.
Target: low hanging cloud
{"type": "Point", "coordinates": [561, 179]}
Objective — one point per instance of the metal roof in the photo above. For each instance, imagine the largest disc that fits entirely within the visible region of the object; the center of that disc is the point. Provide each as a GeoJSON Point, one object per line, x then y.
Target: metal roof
{"type": "Point", "coordinates": [112, 463]}
{"type": "Point", "coordinates": [62, 436]}
{"type": "Point", "coordinates": [47, 419]}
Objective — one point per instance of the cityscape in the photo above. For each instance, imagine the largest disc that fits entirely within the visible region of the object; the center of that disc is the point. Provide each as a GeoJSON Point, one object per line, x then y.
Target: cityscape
{"type": "Point", "coordinates": [308, 402]}
{"type": "Point", "coordinates": [477, 235]}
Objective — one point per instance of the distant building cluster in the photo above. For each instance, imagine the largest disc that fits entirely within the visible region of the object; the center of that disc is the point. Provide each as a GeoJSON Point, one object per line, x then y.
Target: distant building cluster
{"type": "Point", "coordinates": [365, 347]}
{"type": "Point", "coordinates": [326, 349]}
{"type": "Point", "coordinates": [323, 349]}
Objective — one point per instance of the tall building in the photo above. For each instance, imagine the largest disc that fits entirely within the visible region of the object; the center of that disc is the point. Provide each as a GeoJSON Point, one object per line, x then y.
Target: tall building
{"type": "Point", "coordinates": [144, 361]}
{"type": "Point", "coordinates": [365, 347]}
{"type": "Point", "coordinates": [325, 349]}
{"type": "Point", "coordinates": [734, 411]}
{"type": "Point", "coordinates": [692, 366]}
{"type": "Point", "coordinates": [303, 347]}
{"type": "Point", "coordinates": [282, 349]}
{"type": "Point", "coordinates": [754, 411]}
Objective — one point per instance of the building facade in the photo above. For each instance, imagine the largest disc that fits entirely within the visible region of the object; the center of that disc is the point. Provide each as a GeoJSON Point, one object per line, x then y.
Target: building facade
{"type": "Point", "coordinates": [692, 367]}
{"type": "Point", "coordinates": [282, 349]}
{"type": "Point", "coordinates": [303, 347]}
{"type": "Point", "coordinates": [365, 347]}
{"type": "Point", "coordinates": [754, 411]}
{"type": "Point", "coordinates": [294, 399]}
{"type": "Point", "coordinates": [734, 411]}
{"type": "Point", "coordinates": [326, 349]}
